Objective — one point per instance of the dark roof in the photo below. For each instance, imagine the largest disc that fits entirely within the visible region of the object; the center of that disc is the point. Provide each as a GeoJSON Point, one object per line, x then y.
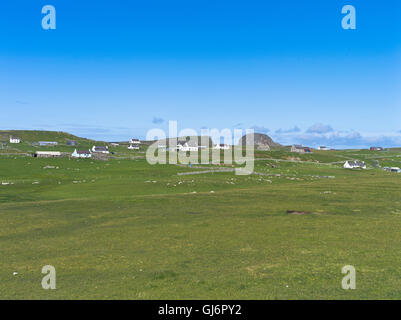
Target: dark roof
{"type": "Point", "coordinates": [190, 143]}
{"type": "Point", "coordinates": [101, 148]}
{"type": "Point", "coordinates": [356, 163]}
{"type": "Point", "coordinates": [83, 151]}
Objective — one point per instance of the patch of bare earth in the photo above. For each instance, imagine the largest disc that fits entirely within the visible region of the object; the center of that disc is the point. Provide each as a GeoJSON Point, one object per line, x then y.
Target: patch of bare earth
{"type": "Point", "coordinates": [298, 212]}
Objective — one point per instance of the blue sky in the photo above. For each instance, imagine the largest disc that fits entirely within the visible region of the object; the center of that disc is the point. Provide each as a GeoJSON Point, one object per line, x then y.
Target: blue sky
{"type": "Point", "coordinates": [115, 69]}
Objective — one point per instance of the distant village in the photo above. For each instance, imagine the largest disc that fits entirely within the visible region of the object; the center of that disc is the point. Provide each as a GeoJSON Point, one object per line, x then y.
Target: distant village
{"type": "Point", "coordinates": [102, 152]}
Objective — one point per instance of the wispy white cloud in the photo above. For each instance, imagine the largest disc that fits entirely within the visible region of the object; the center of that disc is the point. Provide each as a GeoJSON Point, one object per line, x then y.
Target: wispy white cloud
{"type": "Point", "coordinates": [21, 102]}
{"type": "Point", "coordinates": [319, 128]}
{"type": "Point", "coordinates": [238, 125]}
{"type": "Point", "coordinates": [341, 139]}
{"type": "Point", "coordinates": [260, 129]}
{"type": "Point", "coordinates": [157, 120]}
{"type": "Point", "coordinates": [291, 130]}
{"type": "Point", "coordinates": [320, 134]}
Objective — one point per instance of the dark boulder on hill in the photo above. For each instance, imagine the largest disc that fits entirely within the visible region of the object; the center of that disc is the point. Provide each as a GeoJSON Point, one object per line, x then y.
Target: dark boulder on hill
{"type": "Point", "coordinates": [261, 141]}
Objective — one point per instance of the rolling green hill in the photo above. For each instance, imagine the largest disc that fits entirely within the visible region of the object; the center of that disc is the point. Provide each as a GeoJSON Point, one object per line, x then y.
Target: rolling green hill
{"type": "Point", "coordinates": [40, 135]}
{"type": "Point", "coordinates": [29, 139]}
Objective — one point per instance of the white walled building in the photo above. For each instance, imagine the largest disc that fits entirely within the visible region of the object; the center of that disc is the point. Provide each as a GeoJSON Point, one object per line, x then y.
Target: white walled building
{"type": "Point", "coordinates": [133, 146]}
{"type": "Point", "coordinates": [81, 154]}
{"type": "Point", "coordinates": [100, 149]}
{"type": "Point", "coordinates": [187, 146]}
{"type": "Point", "coordinates": [221, 146]}
{"type": "Point", "coordinates": [135, 141]}
{"type": "Point", "coordinates": [354, 164]}
{"type": "Point", "coordinates": [15, 140]}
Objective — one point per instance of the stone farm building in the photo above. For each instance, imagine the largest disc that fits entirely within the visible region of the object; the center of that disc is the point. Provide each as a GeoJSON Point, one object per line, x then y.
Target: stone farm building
{"type": "Point", "coordinates": [300, 149]}
{"type": "Point", "coordinates": [47, 154]}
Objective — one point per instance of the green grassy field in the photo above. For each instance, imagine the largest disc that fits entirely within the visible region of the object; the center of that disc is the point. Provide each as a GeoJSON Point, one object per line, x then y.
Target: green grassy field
{"type": "Point", "coordinates": [123, 229]}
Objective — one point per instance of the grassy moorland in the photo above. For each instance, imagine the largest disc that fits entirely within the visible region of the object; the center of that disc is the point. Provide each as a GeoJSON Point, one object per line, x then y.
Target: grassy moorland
{"type": "Point", "coordinates": [124, 229]}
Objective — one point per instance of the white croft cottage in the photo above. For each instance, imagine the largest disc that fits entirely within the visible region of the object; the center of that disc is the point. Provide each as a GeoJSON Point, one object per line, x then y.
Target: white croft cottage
{"type": "Point", "coordinates": [354, 164]}
{"type": "Point", "coordinates": [81, 154]}
{"type": "Point", "coordinates": [100, 149]}
{"type": "Point", "coordinates": [15, 140]}
{"type": "Point", "coordinates": [187, 146]}
{"type": "Point", "coordinates": [221, 146]}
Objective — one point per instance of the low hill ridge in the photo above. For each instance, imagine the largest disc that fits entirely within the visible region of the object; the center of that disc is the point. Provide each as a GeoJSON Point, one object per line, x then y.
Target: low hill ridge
{"type": "Point", "coordinates": [40, 135]}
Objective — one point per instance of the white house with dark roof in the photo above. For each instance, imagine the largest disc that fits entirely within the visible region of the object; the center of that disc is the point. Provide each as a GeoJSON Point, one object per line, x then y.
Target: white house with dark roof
{"type": "Point", "coordinates": [300, 149]}
{"type": "Point", "coordinates": [354, 164]}
{"type": "Point", "coordinates": [134, 144]}
{"type": "Point", "coordinates": [221, 146]}
{"type": "Point", "coordinates": [81, 154]}
{"type": "Point", "coordinates": [102, 149]}
{"type": "Point", "coordinates": [14, 140]}
{"type": "Point", "coordinates": [187, 146]}
{"type": "Point", "coordinates": [135, 141]}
